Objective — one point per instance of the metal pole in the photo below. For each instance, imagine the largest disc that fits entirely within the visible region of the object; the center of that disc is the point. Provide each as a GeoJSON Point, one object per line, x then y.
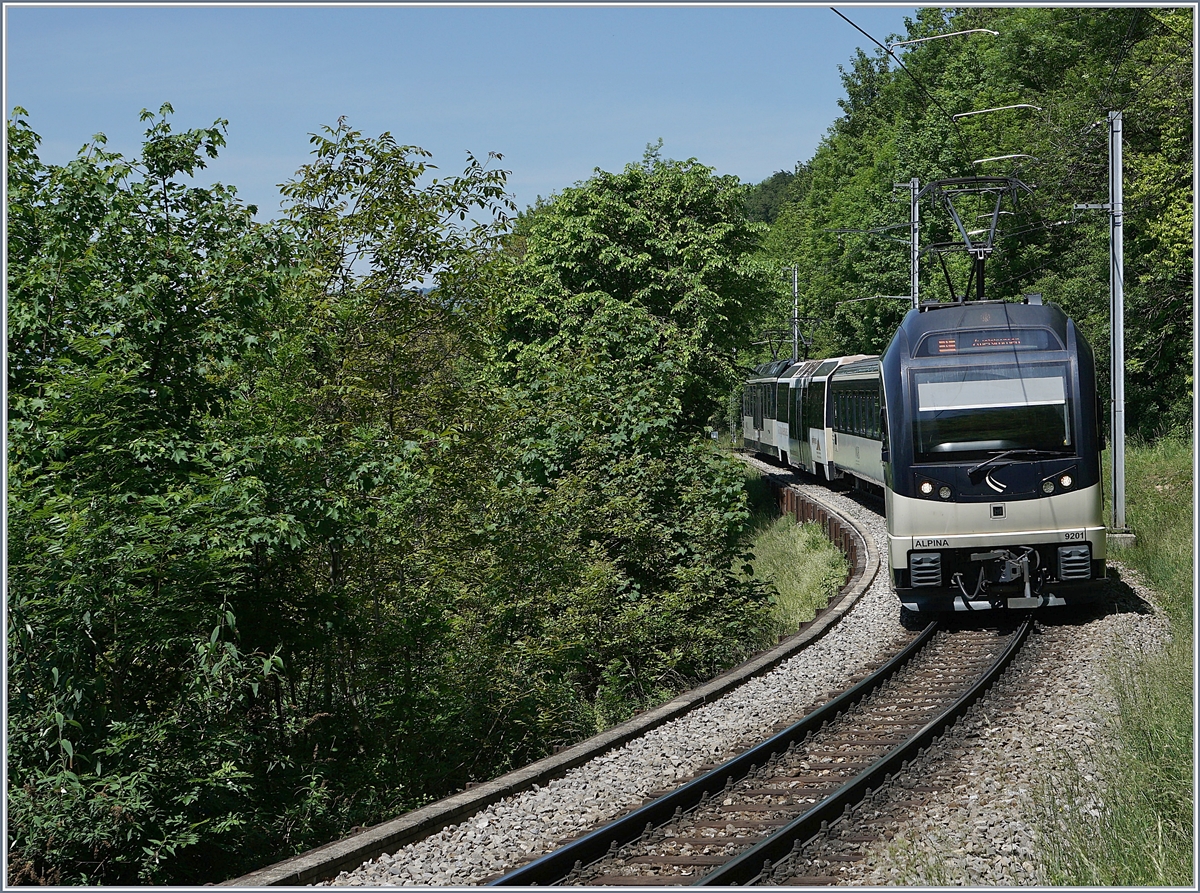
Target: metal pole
{"type": "Point", "coordinates": [734, 409]}
{"type": "Point", "coordinates": [914, 219]}
{"type": "Point", "coordinates": [795, 312]}
{"type": "Point", "coordinates": [1116, 202]}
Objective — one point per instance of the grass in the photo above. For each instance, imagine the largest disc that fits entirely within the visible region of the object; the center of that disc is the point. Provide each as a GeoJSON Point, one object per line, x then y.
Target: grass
{"type": "Point", "coordinates": [1133, 825]}
{"type": "Point", "coordinates": [796, 560]}
{"type": "Point", "coordinates": [1158, 490]}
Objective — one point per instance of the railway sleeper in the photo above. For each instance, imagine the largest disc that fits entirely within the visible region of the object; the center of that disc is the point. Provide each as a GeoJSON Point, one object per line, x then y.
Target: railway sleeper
{"type": "Point", "coordinates": [762, 859]}
{"type": "Point", "coordinates": [638, 880]}
{"type": "Point", "coordinates": [811, 880]}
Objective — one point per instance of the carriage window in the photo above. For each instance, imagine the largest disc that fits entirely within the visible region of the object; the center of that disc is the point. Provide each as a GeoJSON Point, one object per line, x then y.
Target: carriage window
{"type": "Point", "coordinates": [815, 405]}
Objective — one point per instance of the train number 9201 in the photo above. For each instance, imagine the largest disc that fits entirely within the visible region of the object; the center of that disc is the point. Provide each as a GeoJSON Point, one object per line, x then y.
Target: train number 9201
{"type": "Point", "coordinates": [1073, 535]}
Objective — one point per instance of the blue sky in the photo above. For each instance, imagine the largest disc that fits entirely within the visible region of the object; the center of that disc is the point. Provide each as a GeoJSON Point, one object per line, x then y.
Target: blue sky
{"type": "Point", "coordinates": [559, 90]}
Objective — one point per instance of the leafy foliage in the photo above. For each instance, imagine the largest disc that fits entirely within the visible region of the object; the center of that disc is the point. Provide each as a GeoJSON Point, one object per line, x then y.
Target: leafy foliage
{"type": "Point", "coordinates": [763, 200]}
{"type": "Point", "coordinates": [302, 534]}
{"type": "Point", "coordinates": [846, 228]}
{"type": "Point", "coordinates": [131, 297]}
{"type": "Point", "coordinates": [632, 292]}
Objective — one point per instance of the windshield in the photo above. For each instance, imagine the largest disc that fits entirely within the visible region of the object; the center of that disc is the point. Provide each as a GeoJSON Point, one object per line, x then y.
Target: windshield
{"type": "Point", "coordinates": [971, 412]}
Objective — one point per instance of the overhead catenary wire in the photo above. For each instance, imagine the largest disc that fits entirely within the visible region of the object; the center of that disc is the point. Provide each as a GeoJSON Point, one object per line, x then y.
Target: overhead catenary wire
{"type": "Point", "coordinates": [1128, 99]}
{"type": "Point", "coordinates": [1085, 161]}
{"type": "Point", "coordinates": [1126, 46]}
{"type": "Point", "coordinates": [957, 132]}
{"type": "Point", "coordinates": [1117, 89]}
{"type": "Point", "coordinates": [968, 167]}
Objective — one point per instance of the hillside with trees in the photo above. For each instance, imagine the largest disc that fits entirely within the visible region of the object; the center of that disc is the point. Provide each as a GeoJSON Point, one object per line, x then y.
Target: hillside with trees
{"type": "Point", "coordinates": [1073, 65]}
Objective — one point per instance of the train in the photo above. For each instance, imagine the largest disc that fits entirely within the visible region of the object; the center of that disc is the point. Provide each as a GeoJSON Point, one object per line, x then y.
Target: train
{"type": "Point", "coordinates": [981, 426]}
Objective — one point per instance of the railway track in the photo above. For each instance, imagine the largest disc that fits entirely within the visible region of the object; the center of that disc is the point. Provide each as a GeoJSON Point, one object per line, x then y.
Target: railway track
{"type": "Point", "coordinates": [473, 834]}
{"type": "Point", "coordinates": [752, 818]}
{"type": "Point", "coordinates": [948, 796]}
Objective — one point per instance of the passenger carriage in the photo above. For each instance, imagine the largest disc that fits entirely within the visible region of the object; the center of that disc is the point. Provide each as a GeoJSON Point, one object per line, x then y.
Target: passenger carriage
{"type": "Point", "coordinates": [981, 424]}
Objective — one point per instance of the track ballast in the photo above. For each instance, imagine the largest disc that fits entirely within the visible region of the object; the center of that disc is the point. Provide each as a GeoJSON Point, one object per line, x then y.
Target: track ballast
{"type": "Point", "coordinates": [741, 821]}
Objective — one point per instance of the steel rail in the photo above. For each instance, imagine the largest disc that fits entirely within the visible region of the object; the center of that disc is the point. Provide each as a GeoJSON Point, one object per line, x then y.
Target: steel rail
{"type": "Point", "coordinates": [324, 862]}
{"type": "Point", "coordinates": [746, 867]}
{"type": "Point", "coordinates": [556, 865]}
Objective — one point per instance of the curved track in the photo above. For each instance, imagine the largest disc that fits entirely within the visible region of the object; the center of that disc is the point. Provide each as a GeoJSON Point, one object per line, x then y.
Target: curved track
{"type": "Point", "coordinates": [351, 853]}
{"type": "Point", "coordinates": [737, 822]}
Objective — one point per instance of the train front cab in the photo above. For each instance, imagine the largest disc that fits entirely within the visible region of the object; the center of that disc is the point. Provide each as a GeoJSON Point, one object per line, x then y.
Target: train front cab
{"type": "Point", "coordinates": [991, 459]}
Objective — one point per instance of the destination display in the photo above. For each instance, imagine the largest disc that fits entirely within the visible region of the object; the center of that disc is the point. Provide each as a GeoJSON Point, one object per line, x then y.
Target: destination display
{"type": "Point", "coordinates": [979, 340]}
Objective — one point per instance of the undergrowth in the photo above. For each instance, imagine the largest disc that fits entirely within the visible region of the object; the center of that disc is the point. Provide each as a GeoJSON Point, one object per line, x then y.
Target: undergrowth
{"type": "Point", "coordinates": [1134, 823]}
{"type": "Point", "coordinates": [796, 560]}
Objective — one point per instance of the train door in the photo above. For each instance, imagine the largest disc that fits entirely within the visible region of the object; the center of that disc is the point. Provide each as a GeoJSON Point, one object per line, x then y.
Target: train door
{"type": "Point", "coordinates": [818, 434]}
{"type": "Point", "coordinates": [748, 415]}
{"type": "Point", "coordinates": [802, 448]}
{"type": "Point", "coordinates": [818, 447]}
{"type": "Point", "coordinates": [793, 425]}
{"type": "Point", "coordinates": [779, 422]}
{"type": "Point", "coordinates": [803, 452]}
{"type": "Point", "coordinates": [758, 412]}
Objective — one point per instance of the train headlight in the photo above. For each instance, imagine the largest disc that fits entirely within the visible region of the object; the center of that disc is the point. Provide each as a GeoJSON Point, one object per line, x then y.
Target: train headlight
{"type": "Point", "coordinates": [1047, 487]}
{"type": "Point", "coordinates": [927, 487]}
{"type": "Point", "coordinates": [1066, 481]}
{"type": "Point", "coordinates": [944, 492]}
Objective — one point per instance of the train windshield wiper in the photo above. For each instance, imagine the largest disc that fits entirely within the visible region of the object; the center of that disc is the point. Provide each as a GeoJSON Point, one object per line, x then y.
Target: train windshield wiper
{"type": "Point", "coordinates": [1025, 453]}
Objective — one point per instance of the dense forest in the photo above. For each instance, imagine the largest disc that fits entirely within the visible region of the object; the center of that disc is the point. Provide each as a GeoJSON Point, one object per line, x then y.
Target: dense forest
{"type": "Point", "coordinates": [842, 219]}
{"type": "Point", "coordinates": [316, 521]}
{"type": "Point", "coordinates": [313, 521]}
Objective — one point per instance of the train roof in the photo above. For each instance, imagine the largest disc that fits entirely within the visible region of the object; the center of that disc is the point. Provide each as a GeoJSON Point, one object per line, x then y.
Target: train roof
{"type": "Point", "coordinates": [983, 315]}
{"type": "Point", "coordinates": [868, 366]}
{"type": "Point", "coordinates": [773, 369]}
{"type": "Point", "coordinates": [783, 369]}
{"type": "Point", "coordinates": [804, 368]}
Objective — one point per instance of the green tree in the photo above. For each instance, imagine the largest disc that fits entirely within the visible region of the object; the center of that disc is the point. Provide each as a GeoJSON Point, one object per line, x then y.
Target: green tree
{"type": "Point", "coordinates": [666, 239]}
{"type": "Point", "coordinates": [632, 292]}
{"type": "Point", "coordinates": [397, 617]}
{"type": "Point", "coordinates": [763, 200]}
{"type": "Point", "coordinates": [131, 702]}
{"type": "Point", "coordinates": [283, 587]}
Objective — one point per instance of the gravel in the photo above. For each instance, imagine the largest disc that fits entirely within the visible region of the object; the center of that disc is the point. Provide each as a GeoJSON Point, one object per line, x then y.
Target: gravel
{"type": "Point", "coordinates": [979, 832]}
{"type": "Point", "coordinates": [1051, 712]}
{"type": "Point", "coordinates": [531, 823]}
